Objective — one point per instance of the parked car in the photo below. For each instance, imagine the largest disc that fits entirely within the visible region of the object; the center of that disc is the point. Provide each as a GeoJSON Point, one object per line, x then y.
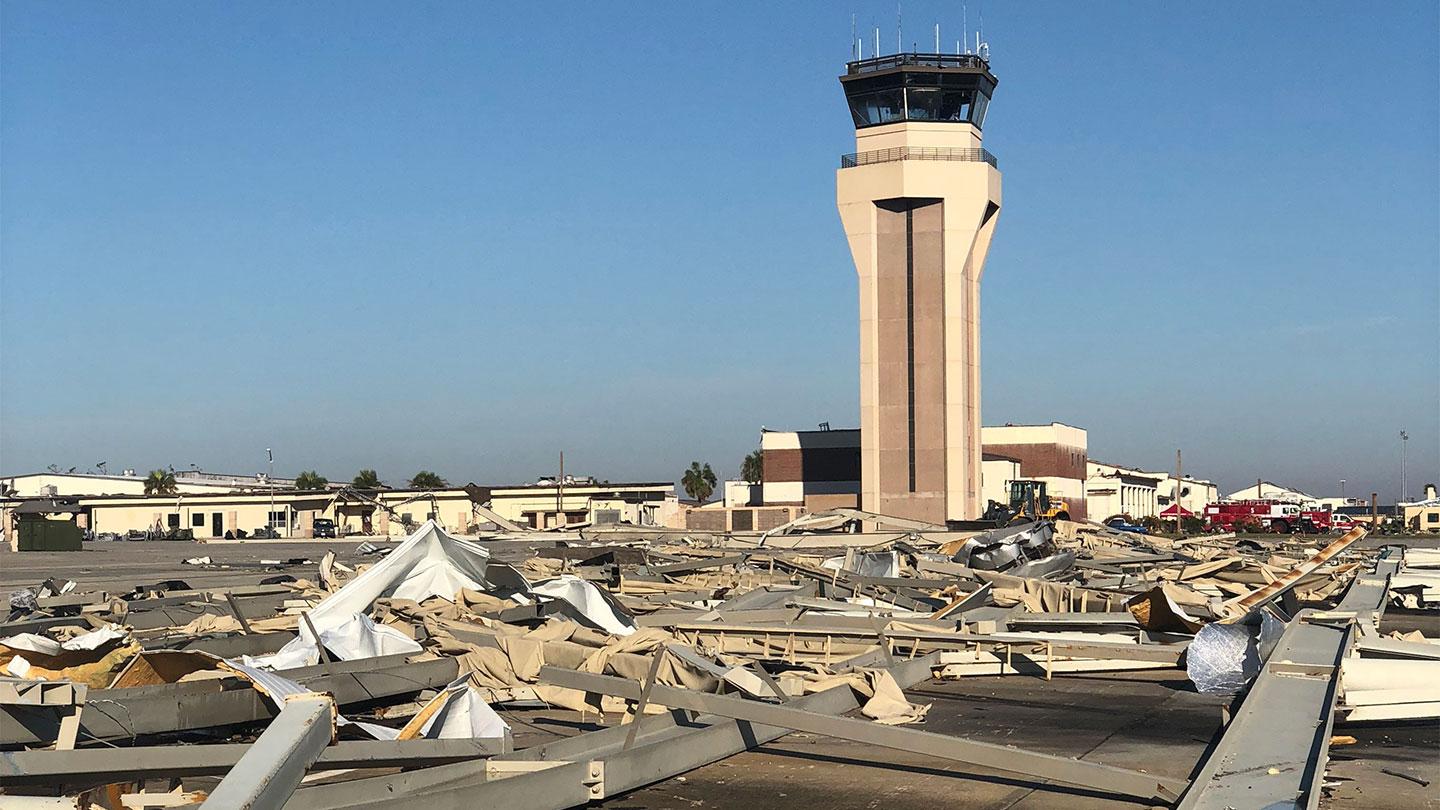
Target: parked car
{"type": "Point", "coordinates": [324, 527]}
{"type": "Point", "coordinates": [1122, 525]}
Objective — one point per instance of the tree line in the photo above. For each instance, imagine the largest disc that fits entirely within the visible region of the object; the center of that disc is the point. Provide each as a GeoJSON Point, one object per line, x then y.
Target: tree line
{"type": "Point", "coordinates": [699, 480]}
{"type": "Point", "coordinates": [163, 482]}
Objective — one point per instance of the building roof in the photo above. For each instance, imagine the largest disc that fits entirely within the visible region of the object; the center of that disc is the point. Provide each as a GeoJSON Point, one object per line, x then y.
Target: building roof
{"type": "Point", "coordinates": [47, 506]}
{"type": "Point", "coordinates": [1280, 487]}
{"type": "Point", "coordinates": [290, 496]}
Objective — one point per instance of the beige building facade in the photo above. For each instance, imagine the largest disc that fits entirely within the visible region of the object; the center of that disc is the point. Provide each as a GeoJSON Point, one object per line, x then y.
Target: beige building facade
{"type": "Point", "coordinates": [45, 484]}
{"type": "Point", "coordinates": [1111, 489]}
{"type": "Point", "coordinates": [374, 513]}
{"type": "Point", "coordinates": [919, 201]}
{"type": "Point", "coordinates": [1195, 493]}
{"type": "Point", "coordinates": [996, 473]}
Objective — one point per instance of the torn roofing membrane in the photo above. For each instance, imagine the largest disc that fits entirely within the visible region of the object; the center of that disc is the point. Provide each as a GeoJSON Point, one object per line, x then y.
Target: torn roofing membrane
{"type": "Point", "coordinates": [428, 563]}
{"type": "Point", "coordinates": [463, 714]}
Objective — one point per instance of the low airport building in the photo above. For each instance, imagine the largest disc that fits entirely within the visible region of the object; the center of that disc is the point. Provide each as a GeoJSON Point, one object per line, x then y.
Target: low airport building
{"type": "Point", "coordinates": [380, 512]}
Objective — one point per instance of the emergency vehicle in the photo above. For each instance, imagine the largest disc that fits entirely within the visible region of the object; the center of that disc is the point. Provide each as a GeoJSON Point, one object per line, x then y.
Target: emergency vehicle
{"type": "Point", "coordinates": [1270, 515]}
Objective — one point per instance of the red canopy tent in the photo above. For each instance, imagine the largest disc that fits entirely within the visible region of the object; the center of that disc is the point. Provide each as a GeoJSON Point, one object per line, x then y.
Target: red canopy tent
{"type": "Point", "coordinates": [1170, 511]}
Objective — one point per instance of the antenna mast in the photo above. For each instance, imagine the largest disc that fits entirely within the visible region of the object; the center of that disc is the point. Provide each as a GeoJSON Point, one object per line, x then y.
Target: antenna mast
{"type": "Point", "coordinates": [899, 38]}
{"type": "Point", "coordinates": [854, 43]}
{"type": "Point", "coordinates": [937, 37]}
{"type": "Point", "coordinates": [982, 48]}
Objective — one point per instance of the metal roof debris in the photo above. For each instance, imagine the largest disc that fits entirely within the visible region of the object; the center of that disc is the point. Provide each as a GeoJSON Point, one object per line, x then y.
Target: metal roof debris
{"type": "Point", "coordinates": [688, 648]}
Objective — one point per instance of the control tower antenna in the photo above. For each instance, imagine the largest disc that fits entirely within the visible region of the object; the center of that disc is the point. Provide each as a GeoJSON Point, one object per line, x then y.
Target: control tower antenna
{"type": "Point", "coordinates": [937, 37]}
{"type": "Point", "coordinates": [982, 48]}
{"type": "Point", "coordinates": [854, 43]}
{"type": "Point", "coordinates": [877, 40]}
{"type": "Point", "coordinates": [899, 36]}
{"type": "Point", "coordinates": [964, 27]}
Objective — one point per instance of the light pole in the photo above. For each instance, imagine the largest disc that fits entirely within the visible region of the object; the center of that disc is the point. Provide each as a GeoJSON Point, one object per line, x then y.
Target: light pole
{"type": "Point", "coordinates": [270, 481]}
{"type": "Point", "coordinates": [1342, 493]}
{"type": "Point", "coordinates": [1404, 485]}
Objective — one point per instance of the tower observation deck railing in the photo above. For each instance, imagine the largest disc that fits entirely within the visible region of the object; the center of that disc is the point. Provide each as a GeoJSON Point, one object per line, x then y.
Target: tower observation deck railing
{"type": "Point", "coordinates": [854, 159]}
{"type": "Point", "coordinates": [964, 61]}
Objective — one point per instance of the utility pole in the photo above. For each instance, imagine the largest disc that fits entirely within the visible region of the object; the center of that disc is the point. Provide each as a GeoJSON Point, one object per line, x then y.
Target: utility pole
{"type": "Point", "coordinates": [1374, 511]}
{"type": "Point", "coordinates": [1404, 485]}
{"type": "Point", "coordinates": [560, 494]}
{"type": "Point", "coordinates": [1342, 493]}
{"type": "Point", "coordinates": [270, 516]}
{"type": "Point", "coordinates": [1179, 483]}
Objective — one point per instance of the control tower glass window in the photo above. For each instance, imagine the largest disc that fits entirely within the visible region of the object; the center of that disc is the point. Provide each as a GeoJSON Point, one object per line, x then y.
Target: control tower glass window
{"type": "Point", "coordinates": [938, 104]}
{"type": "Point", "coordinates": [918, 87]}
{"type": "Point", "coordinates": [881, 107]}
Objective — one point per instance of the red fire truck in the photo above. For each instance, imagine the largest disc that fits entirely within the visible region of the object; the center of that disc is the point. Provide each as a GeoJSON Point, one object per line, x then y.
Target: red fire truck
{"type": "Point", "coordinates": [1270, 515]}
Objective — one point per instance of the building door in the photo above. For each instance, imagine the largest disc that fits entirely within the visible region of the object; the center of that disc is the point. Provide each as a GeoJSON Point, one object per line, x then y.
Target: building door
{"type": "Point", "coordinates": [217, 524]}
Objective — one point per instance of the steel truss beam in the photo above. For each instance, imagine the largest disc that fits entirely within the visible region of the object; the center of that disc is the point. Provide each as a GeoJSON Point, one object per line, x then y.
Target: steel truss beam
{"type": "Point", "coordinates": [104, 765]}
{"type": "Point", "coordinates": [273, 767]}
{"type": "Point", "coordinates": [1274, 751]}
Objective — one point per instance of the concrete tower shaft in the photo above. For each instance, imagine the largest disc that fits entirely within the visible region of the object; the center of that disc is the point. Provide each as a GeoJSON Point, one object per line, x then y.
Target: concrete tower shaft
{"type": "Point", "coordinates": [919, 199]}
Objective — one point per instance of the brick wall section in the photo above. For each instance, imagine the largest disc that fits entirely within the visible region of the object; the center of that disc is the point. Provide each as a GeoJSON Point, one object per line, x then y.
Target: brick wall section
{"type": "Point", "coordinates": [767, 519]}
{"type": "Point", "coordinates": [706, 520]}
{"type": "Point", "coordinates": [741, 519]}
{"type": "Point", "coordinates": [813, 464]}
{"type": "Point", "coordinates": [1039, 460]}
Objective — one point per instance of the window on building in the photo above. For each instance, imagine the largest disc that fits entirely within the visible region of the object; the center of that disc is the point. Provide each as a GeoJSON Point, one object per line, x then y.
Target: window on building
{"type": "Point", "coordinates": [883, 107]}
{"type": "Point", "coordinates": [197, 518]}
{"type": "Point", "coordinates": [279, 520]}
{"type": "Point", "coordinates": [173, 520]}
{"type": "Point", "coordinates": [1433, 517]}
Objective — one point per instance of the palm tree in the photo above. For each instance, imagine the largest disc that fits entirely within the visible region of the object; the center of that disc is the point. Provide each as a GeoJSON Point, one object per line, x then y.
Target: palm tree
{"type": "Point", "coordinates": [427, 480]}
{"type": "Point", "coordinates": [310, 480]}
{"type": "Point", "coordinates": [698, 481]}
{"type": "Point", "coordinates": [160, 482]}
{"type": "Point", "coordinates": [368, 479]}
{"type": "Point", "coordinates": [752, 469]}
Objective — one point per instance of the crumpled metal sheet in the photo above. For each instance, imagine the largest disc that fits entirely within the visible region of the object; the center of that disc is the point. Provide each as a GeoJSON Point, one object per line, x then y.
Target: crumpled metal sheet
{"type": "Point", "coordinates": [1223, 658]}
{"type": "Point", "coordinates": [999, 549]}
{"type": "Point", "coordinates": [22, 601]}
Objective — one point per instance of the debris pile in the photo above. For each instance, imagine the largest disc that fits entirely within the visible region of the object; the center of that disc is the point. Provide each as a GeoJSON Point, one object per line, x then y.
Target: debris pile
{"type": "Point", "coordinates": [386, 678]}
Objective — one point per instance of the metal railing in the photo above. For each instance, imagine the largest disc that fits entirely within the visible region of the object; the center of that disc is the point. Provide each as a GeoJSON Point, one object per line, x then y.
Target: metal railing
{"type": "Point", "coordinates": [854, 159]}
{"type": "Point", "coordinates": [967, 61]}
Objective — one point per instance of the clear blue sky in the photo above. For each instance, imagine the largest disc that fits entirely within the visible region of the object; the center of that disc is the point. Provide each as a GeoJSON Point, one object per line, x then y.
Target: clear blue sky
{"type": "Point", "coordinates": [466, 236]}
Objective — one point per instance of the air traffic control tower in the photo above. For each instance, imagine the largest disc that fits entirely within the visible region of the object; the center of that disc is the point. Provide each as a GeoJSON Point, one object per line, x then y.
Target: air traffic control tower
{"type": "Point", "coordinates": [919, 199]}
